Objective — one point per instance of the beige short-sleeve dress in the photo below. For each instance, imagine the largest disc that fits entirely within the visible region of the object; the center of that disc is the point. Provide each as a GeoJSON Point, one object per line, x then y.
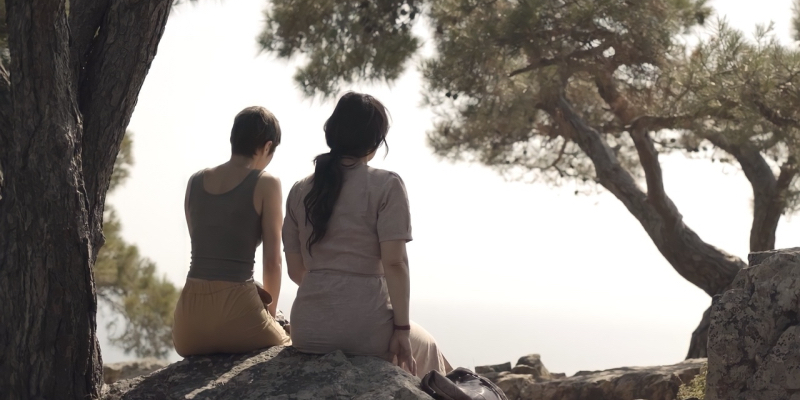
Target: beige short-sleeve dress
{"type": "Point", "coordinates": [343, 302]}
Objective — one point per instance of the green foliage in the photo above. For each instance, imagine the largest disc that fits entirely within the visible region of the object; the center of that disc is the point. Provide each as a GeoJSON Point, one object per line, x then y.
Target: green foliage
{"type": "Point", "coordinates": [497, 65]}
{"type": "Point", "coordinates": [123, 163]}
{"type": "Point", "coordinates": [696, 388]}
{"type": "Point", "coordinates": [345, 41]}
{"type": "Point", "coordinates": [142, 301]}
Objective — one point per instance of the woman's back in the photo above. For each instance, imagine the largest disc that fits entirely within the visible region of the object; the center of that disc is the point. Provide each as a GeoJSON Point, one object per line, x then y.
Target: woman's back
{"type": "Point", "coordinates": [343, 302]}
{"type": "Point", "coordinates": [225, 228]}
{"type": "Point", "coordinates": [372, 207]}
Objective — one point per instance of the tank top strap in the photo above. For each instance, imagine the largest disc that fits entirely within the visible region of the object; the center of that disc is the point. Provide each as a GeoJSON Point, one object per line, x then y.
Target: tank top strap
{"type": "Point", "coordinates": [196, 183]}
{"type": "Point", "coordinates": [248, 185]}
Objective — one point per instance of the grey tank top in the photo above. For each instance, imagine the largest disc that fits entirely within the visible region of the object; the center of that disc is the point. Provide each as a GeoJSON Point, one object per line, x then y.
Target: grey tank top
{"type": "Point", "coordinates": [226, 230]}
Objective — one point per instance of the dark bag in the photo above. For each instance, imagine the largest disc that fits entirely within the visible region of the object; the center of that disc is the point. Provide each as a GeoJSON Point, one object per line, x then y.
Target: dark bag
{"type": "Point", "coordinates": [461, 384]}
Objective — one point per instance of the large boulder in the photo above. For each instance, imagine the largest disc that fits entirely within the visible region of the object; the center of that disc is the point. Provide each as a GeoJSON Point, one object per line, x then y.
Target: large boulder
{"type": "Point", "coordinates": [630, 383]}
{"type": "Point", "coordinates": [274, 373]}
{"type": "Point", "coordinates": [131, 369]}
{"type": "Point", "coordinates": [754, 338]}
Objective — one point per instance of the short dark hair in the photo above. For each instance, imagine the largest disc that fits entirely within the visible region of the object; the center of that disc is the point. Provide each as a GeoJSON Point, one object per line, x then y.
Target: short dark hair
{"type": "Point", "coordinates": [252, 128]}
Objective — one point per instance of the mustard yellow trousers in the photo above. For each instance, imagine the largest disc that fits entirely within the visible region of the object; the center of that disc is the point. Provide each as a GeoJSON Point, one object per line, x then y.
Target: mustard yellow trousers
{"type": "Point", "coordinates": [223, 317]}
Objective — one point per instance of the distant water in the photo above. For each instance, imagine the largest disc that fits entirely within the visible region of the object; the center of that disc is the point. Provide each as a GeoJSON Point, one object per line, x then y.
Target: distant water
{"type": "Point", "coordinates": [473, 335]}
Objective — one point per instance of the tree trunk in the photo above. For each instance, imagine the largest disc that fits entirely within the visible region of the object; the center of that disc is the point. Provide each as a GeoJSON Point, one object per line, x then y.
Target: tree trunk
{"type": "Point", "coordinates": [698, 347]}
{"type": "Point", "coordinates": [61, 116]}
{"type": "Point", "coordinates": [704, 265]}
{"type": "Point", "coordinates": [707, 267]}
{"type": "Point", "coordinates": [47, 292]}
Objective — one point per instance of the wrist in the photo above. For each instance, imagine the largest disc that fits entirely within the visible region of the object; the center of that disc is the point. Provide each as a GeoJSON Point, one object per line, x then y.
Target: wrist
{"type": "Point", "coordinates": [402, 327]}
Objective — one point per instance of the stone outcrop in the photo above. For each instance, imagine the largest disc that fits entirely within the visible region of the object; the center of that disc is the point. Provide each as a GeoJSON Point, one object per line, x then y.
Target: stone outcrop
{"type": "Point", "coordinates": [487, 369]}
{"type": "Point", "coordinates": [532, 365]}
{"type": "Point", "coordinates": [131, 369]}
{"type": "Point", "coordinates": [754, 338]}
{"type": "Point", "coordinates": [652, 383]}
{"type": "Point", "coordinates": [274, 373]}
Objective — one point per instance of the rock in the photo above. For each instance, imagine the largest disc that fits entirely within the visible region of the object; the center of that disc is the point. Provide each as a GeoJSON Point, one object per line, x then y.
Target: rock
{"type": "Point", "coordinates": [754, 338]}
{"type": "Point", "coordinates": [525, 370]}
{"type": "Point", "coordinates": [494, 376]}
{"type": "Point", "coordinates": [485, 369]}
{"type": "Point", "coordinates": [513, 385]}
{"type": "Point", "coordinates": [532, 365]}
{"type": "Point", "coordinates": [275, 373]}
{"type": "Point", "coordinates": [131, 369]}
{"type": "Point", "coordinates": [652, 383]}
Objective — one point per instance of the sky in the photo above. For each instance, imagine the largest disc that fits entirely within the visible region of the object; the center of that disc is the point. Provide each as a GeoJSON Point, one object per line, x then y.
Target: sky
{"type": "Point", "coordinates": [499, 269]}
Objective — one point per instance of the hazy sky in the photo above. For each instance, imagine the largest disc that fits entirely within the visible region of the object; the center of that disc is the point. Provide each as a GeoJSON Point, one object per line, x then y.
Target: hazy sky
{"type": "Point", "coordinates": [499, 269]}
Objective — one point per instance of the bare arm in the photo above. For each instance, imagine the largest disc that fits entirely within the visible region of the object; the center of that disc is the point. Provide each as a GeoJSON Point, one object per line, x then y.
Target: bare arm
{"type": "Point", "coordinates": [395, 267]}
{"type": "Point", "coordinates": [297, 270]}
{"type": "Point", "coordinates": [271, 222]}
{"type": "Point", "coordinates": [186, 206]}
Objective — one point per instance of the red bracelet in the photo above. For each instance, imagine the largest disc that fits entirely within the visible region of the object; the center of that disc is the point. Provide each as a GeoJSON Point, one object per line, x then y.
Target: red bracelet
{"type": "Point", "coordinates": [402, 327]}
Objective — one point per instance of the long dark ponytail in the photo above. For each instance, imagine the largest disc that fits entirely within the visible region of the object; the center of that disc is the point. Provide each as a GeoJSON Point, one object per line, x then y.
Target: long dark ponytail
{"type": "Point", "coordinates": [357, 127]}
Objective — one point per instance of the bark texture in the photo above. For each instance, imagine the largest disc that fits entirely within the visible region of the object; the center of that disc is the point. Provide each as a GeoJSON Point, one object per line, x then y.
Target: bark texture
{"type": "Point", "coordinates": [65, 101]}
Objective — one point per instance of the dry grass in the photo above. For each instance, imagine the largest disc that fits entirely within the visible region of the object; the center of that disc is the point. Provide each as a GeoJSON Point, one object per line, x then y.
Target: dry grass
{"type": "Point", "coordinates": [696, 388]}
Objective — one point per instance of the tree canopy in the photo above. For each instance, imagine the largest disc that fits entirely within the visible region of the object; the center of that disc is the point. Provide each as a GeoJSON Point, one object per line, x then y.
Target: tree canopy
{"type": "Point", "coordinates": [578, 91]}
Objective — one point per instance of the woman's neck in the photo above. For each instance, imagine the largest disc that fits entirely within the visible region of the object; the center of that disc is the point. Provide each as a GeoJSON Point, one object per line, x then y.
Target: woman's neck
{"type": "Point", "coordinates": [241, 161]}
{"type": "Point", "coordinates": [349, 161]}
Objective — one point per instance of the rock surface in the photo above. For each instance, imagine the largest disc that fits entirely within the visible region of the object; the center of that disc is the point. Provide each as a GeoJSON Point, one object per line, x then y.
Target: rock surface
{"type": "Point", "coordinates": [131, 369]}
{"type": "Point", "coordinates": [531, 365]}
{"type": "Point", "coordinates": [754, 338]}
{"type": "Point", "coordinates": [275, 373]}
{"type": "Point", "coordinates": [487, 369]}
{"type": "Point", "coordinates": [651, 383]}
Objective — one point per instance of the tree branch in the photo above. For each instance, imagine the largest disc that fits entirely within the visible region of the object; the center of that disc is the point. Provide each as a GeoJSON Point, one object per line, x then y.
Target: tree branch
{"type": "Point", "coordinates": [769, 201]}
{"type": "Point", "coordinates": [704, 265]}
{"type": "Point", "coordinates": [574, 56]}
{"type": "Point", "coordinates": [620, 106]}
{"type": "Point", "coordinates": [118, 62]}
{"type": "Point", "coordinates": [774, 116]}
{"type": "Point", "coordinates": [648, 158]}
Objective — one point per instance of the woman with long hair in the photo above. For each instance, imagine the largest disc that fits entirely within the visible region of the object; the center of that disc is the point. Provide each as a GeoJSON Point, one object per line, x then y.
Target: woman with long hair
{"type": "Point", "coordinates": [230, 210]}
{"type": "Point", "coordinates": [344, 236]}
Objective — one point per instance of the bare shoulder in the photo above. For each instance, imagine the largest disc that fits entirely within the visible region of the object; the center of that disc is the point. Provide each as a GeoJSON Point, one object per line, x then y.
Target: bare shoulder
{"type": "Point", "coordinates": [268, 186]}
{"type": "Point", "coordinates": [268, 179]}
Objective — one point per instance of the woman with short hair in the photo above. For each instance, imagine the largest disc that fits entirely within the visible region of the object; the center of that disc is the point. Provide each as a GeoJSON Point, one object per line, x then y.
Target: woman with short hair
{"type": "Point", "coordinates": [230, 210]}
{"type": "Point", "coordinates": [344, 236]}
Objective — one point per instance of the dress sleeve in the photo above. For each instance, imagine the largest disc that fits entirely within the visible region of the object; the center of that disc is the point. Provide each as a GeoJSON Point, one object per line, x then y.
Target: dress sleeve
{"type": "Point", "coordinates": [394, 216]}
{"type": "Point", "coordinates": [291, 231]}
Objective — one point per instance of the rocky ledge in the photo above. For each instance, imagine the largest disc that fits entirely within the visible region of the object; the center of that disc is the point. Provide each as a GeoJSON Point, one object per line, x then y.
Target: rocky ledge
{"type": "Point", "coordinates": [275, 373]}
{"type": "Point", "coordinates": [131, 369]}
{"type": "Point", "coordinates": [530, 380]}
{"type": "Point", "coordinates": [754, 338]}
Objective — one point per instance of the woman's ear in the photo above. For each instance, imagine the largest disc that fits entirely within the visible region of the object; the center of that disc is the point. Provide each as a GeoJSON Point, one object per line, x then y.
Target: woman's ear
{"type": "Point", "coordinates": [267, 147]}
